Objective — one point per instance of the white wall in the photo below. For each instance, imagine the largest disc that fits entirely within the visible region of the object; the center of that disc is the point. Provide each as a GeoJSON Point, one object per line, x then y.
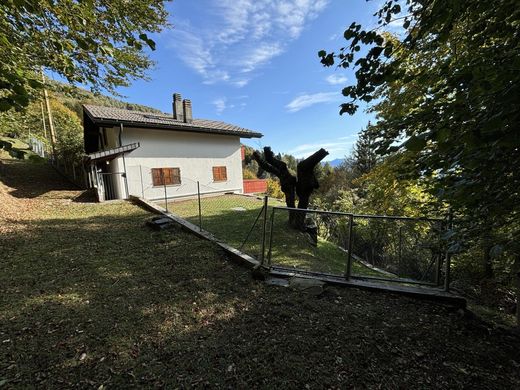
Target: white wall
{"type": "Point", "coordinates": [194, 153]}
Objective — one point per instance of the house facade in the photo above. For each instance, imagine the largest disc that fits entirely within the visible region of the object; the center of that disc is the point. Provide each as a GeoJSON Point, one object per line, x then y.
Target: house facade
{"type": "Point", "coordinates": [157, 155]}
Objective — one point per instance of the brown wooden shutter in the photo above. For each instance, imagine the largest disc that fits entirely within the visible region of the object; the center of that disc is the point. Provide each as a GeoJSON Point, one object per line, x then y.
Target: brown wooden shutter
{"type": "Point", "coordinates": [156, 176]}
{"type": "Point", "coordinates": [168, 176]}
{"type": "Point", "coordinates": [176, 176]}
{"type": "Point", "coordinates": [219, 174]}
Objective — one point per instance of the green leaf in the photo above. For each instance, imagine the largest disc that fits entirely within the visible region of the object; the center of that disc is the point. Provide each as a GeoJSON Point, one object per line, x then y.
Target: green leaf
{"type": "Point", "coordinates": [415, 143]}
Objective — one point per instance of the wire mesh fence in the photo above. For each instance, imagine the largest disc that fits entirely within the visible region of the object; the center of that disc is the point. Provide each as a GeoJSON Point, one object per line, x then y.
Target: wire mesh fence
{"type": "Point", "coordinates": [408, 249]}
{"type": "Point", "coordinates": [395, 249]}
{"type": "Point", "coordinates": [384, 248]}
{"type": "Point", "coordinates": [216, 207]}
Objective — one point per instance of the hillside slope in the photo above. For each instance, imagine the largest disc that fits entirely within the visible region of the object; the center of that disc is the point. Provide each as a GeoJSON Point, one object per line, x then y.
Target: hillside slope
{"type": "Point", "coordinates": [91, 298]}
{"type": "Point", "coordinates": [66, 101]}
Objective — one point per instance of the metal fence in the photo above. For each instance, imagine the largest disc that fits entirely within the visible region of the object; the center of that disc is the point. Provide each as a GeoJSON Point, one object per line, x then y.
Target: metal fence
{"type": "Point", "coordinates": [74, 172]}
{"type": "Point", "coordinates": [234, 218]}
{"type": "Point", "coordinates": [373, 247]}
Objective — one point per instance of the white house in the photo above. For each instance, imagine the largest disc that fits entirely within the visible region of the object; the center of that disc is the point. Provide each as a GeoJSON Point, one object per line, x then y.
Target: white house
{"type": "Point", "coordinates": [156, 155]}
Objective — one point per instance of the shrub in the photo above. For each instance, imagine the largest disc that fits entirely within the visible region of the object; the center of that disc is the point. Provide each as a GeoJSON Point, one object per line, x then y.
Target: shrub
{"type": "Point", "coordinates": [248, 174]}
{"type": "Point", "coordinates": [274, 189]}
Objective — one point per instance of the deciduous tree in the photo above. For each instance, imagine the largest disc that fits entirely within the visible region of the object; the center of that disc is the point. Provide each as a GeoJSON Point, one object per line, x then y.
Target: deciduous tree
{"type": "Point", "coordinates": [300, 185]}
{"type": "Point", "coordinates": [98, 42]}
{"type": "Point", "coordinates": [448, 93]}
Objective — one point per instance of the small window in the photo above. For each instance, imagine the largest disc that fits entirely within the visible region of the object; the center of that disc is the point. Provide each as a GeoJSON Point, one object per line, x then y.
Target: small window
{"type": "Point", "coordinates": [166, 176]}
{"type": "Point", "coordinates": [219, 174]}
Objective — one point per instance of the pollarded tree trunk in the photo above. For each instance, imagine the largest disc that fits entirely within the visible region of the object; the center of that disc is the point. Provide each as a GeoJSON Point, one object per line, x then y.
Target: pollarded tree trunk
{"type": "Point", "coordinates": [302, 185]}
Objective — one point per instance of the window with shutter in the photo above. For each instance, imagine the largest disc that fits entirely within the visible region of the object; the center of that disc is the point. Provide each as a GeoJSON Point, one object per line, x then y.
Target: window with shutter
{"type": "Point", "coordinates": [176, 176]}
{"type": "Point", "coordinates": [156, 176]}
{"type": "Point", "coordinates": [219, 174]}
{"type": "Point", "coordinates": [166, 176]}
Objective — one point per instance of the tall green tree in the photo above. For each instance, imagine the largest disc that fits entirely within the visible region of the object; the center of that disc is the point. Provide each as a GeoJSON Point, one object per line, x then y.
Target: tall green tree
{"type": "Point", "coordinates": [99, 42]}
{"type": "Point", "coordinates": [364, 156]}
{"type": "Point", "coordinates": [448, 93]}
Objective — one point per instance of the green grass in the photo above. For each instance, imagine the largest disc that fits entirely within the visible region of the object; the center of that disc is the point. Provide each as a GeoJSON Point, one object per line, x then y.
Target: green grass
{"type": "Point", "coordinates": [15, 148]}
{"type": "Point", "coordinates": [14, 142]}
{"type": "Point", "coordinates": [290, 247]}
{"type": "Point", "coordinates": [92, 298]}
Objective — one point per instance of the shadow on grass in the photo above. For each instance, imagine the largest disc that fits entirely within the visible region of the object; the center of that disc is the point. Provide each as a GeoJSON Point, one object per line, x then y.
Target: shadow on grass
{"type": "Point", "coordinates": [31, 180]}
{"type": "Point", "coordinates": [101, 300]}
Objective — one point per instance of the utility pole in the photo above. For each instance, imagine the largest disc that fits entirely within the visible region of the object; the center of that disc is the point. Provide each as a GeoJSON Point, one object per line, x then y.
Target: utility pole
{"type": "Point", "coordinates": [49, 115]}
{"type": "Point", "coordinates": [43, 120]}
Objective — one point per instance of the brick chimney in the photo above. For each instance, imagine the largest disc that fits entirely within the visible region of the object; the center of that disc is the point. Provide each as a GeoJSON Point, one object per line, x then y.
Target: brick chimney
{"type": "Point", "coordinates": [186, 108]}
{"type": "Point", "coordinates": [178, 112]}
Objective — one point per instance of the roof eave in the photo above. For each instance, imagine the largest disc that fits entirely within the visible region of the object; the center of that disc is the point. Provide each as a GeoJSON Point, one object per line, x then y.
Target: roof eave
{"type": "Point", "coordinates": [116, 122]}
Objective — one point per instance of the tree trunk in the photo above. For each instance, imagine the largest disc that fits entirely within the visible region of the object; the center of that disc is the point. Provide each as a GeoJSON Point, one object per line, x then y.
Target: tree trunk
{"type": "Point", "coordinates": [487, 260]}
{"type": "Point", "coordinates": [302, 185]}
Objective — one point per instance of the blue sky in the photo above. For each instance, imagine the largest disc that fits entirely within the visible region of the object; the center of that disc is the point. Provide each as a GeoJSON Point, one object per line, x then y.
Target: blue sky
{"type": "Point", "coordinates": [254, 63]}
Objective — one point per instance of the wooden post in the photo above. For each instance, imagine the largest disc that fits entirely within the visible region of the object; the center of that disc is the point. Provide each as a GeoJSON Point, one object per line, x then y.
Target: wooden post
{"type": "Point", "coordinates": [43, 121]}
{"type": "Point", "coordinates": [49, 115]}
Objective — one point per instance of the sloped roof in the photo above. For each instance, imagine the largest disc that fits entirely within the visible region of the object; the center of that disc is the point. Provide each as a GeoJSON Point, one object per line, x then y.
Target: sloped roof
{"type": "Point", "coordinates": [114, 116]}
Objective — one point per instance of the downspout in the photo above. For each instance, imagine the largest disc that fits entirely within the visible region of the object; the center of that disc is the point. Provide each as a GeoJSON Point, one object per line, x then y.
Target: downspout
{"type": "Point", "coordinates": [124, 163]}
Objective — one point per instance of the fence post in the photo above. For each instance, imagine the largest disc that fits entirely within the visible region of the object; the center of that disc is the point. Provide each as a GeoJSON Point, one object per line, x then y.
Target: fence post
{"type": "Point", "coordinates": [200, 208]}
{"type": "Point", "coordinates": [270, 252]}
{"type": "Point", "coordinates": [448, 255]}
{"type": "Point", "coordinates": [264, 226]}
{"type": "Point", "coordinates": [165, 192]}
{"type": "Point", "coordinates": [439, 256]}
{"type": "Point", "coordinates": [349, 253]}
{"type": "Point", "coordinates": [400, 249]}
{"type": "Point", "coordinates": [142, 185]}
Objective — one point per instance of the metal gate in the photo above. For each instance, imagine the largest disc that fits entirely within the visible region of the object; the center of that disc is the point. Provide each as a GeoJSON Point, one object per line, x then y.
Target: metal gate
{"type": "Point", "coordinates": [109, 186]}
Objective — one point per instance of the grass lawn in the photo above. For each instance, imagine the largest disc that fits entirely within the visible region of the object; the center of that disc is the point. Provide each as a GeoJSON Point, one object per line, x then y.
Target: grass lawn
{"type": "Point", "coordinates": [14, 147]}
{"type": "Point", "coordinates": [230, 218]}
{"type": "Point", "coordinates": [91, 298]}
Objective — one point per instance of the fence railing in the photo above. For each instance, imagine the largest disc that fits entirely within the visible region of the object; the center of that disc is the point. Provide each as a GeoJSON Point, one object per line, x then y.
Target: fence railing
{"type": "Point", "coordinates": [373, 247]}
{"type": "Point", "coordinates": [389, 249]}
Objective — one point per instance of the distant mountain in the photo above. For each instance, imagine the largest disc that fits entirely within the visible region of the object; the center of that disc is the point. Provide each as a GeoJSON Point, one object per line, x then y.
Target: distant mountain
{"type": "Point", "coordinates": [335, 163]}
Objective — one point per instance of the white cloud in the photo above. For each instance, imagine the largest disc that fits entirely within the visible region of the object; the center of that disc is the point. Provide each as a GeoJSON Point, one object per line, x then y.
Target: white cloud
{"type": "Point", "coordinates": [336, 79]}
{"type": "Point", "coordinates": [239, 37]}
{"type": "Point", "coordinates": [337, 148]}
{"type": "Point", "coordinates": [260, 55]}
{"type": "Point", "coordinates": [307, 100]}
{"type": "Point", "coordinates": [221, 105]}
